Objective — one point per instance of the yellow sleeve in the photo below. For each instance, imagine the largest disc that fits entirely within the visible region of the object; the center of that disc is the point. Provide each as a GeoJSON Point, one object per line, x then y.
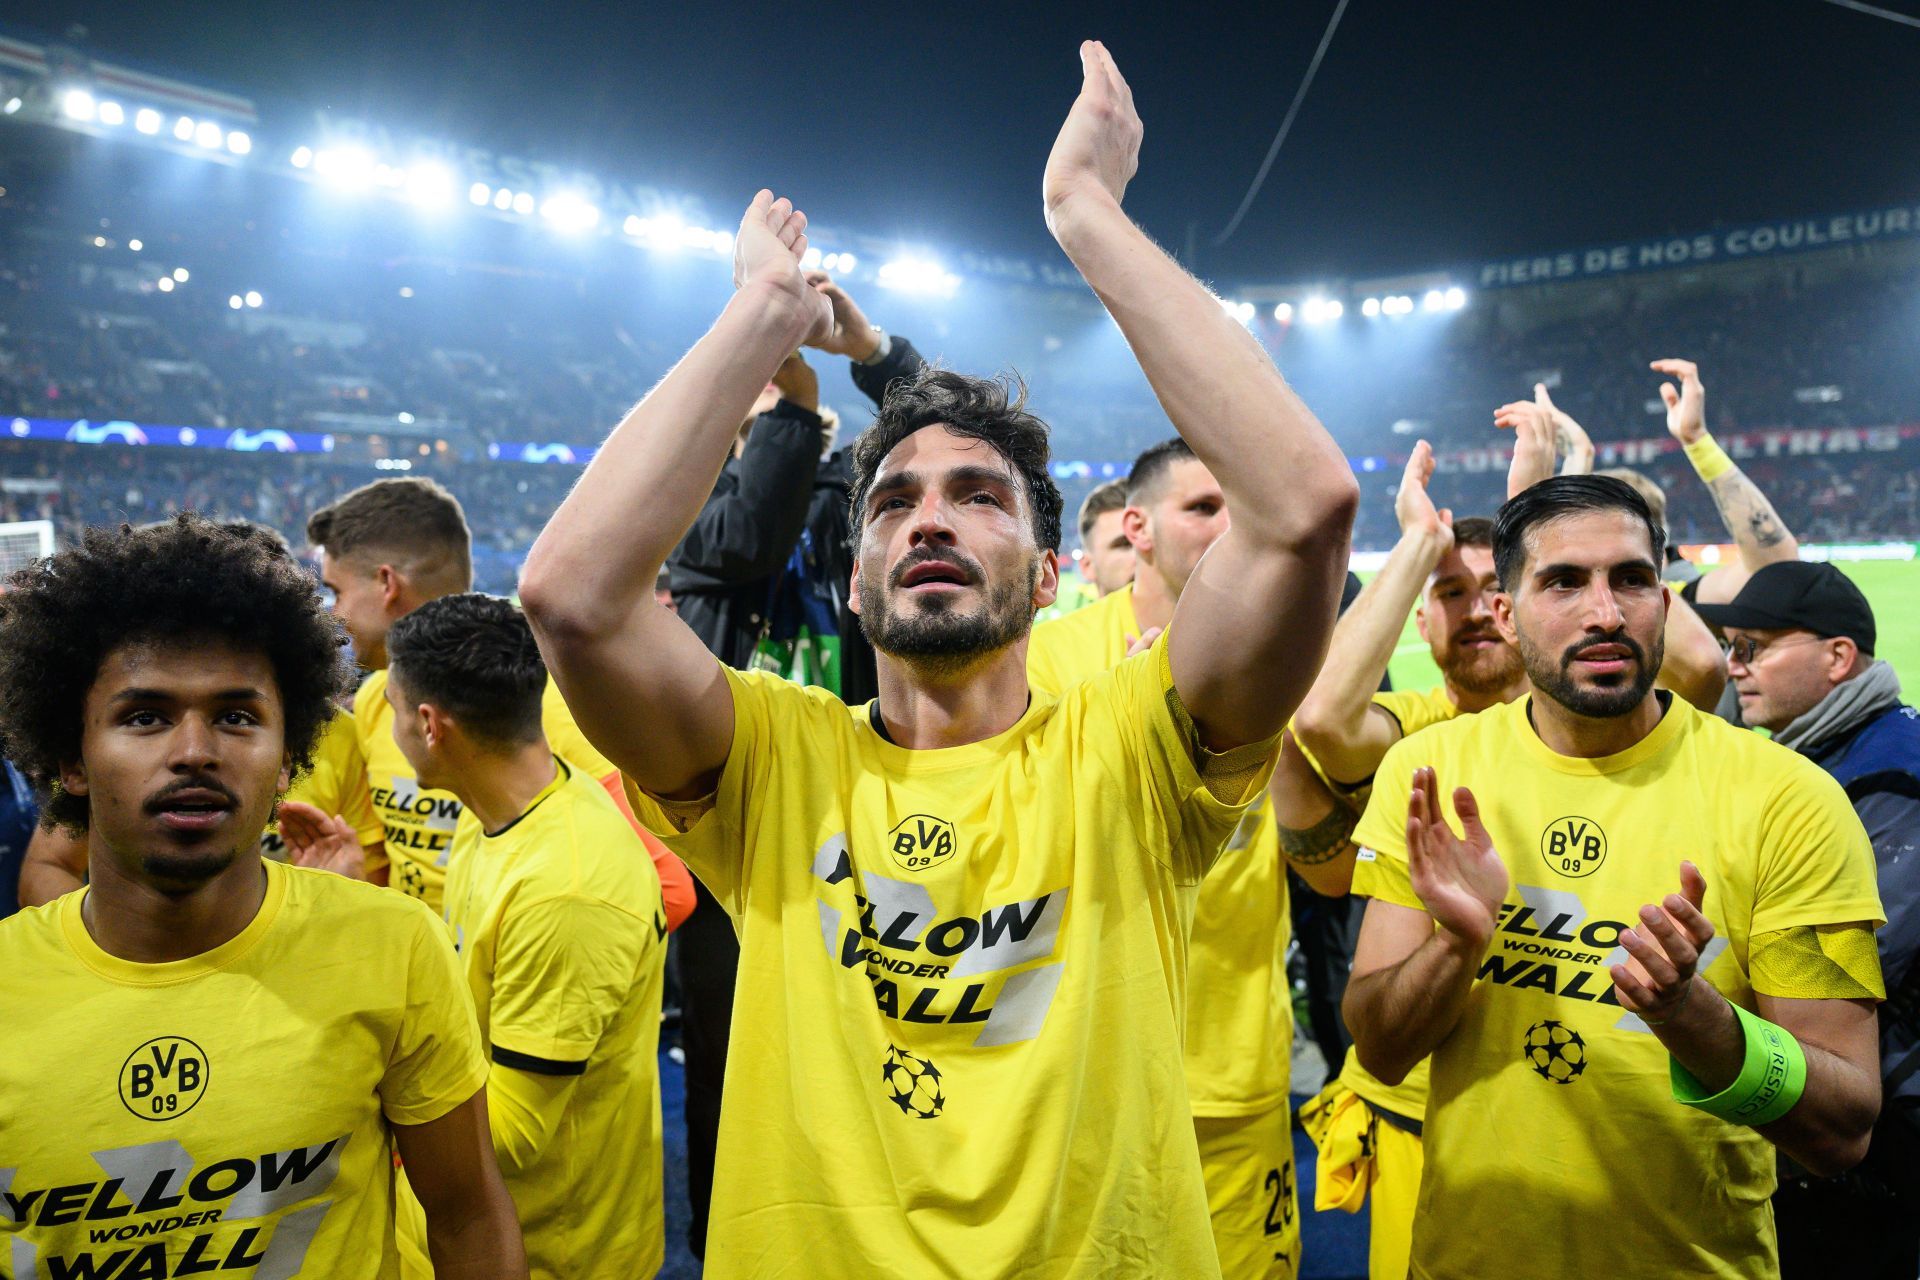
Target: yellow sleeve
{"type": "Point", "coordinates": [1817, 962]}
{"type": "Point", "coordinates": [561, 971]}
{"type": "Point", "coordinates": [564, 736]}
{"type": "Point", "coordinates": [337, 783]}
{"type": "Point", "coordinates": [523, 1113]}
{"type": "Point", "coordinates": [436, 1063]}
{"type": "Point", "coordinates": [1043, 671]}
{"type": "Point", "coordinates": [1380, 869]}
{"type": "Point", "coordinates": [1817, 864]}
{"type": "Point", "coordinates": [709, 834]}
{"type": "Point", "coordinates": [1197, 796]}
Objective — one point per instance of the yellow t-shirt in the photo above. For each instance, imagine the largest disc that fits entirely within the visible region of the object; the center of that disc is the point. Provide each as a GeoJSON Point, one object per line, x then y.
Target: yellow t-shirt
{"type": "Point", "coordinates": [963, 971]}
{"type": "Point", "coordinates": [1554, 1146]}
{"type": "Point", "coordinates": [1239, 1042]}
{"type": "Point", "coordinates": [1413, 710]}
{"type": "Point", "coordinates": [420, 823]}
{"type": "Point", "coordinates": [560, 925]}
{"type": "Point", "coordinates": [1063, 651]}
{"type": "Point", "coordinates": [226, 1113]}
{"type": "Point", "coordinates": [336, 784]}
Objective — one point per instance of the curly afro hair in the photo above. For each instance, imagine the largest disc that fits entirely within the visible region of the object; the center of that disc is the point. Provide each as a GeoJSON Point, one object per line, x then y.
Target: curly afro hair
{"type": "Point", "coordinates": [188, 579]}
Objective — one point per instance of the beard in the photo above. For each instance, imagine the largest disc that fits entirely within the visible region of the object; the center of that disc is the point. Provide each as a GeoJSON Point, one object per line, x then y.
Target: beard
{"type": "Point", "coordinates": [1553, 676]}
{"type": "Point", "coordinates": [180, 872]}
{"type": "Point", "coordinates": [932, 633]}
{"type": "Point", "coordinates": [1480, 672]}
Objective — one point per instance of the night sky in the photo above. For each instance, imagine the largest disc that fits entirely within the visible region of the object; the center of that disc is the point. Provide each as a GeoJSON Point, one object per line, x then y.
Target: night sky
{"type": "Point", "coordinates": [1435, 134]}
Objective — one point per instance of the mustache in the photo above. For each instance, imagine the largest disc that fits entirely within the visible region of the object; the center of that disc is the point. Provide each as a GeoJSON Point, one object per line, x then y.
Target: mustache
{"type": "Point", "coordinates": [159, 799]}
{"type": "Point", "coordinates": [930, 554]}
{"type": "Point", "coordinates": [1619, 637]}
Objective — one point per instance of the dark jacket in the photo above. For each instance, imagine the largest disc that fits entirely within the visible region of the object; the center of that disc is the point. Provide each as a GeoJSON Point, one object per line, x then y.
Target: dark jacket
{"type": "Point", "coordinates": [829, 549]}
{"type": "Point", "coordinates": [1879, 765]}
{"type": "Point", "coordinates": [723, 571]}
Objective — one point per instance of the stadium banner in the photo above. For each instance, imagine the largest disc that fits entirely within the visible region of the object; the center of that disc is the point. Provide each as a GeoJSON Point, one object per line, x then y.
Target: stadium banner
{"type": "Point", "coordinates": [1771, 442]}
{"type": "Point", "coordinates": [1732, 244]}
{"type": "Point", "coordinates": [120, 431]}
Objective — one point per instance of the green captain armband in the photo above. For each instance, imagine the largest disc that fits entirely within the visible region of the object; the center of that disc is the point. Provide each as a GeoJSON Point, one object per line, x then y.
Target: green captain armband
{"type": "Point", "coordinates": [1770, 1082]}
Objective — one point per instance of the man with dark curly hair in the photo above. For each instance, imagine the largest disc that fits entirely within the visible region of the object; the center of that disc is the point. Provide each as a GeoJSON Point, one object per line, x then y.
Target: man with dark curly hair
{"type": "Point", "coordinates": [227, 1098]}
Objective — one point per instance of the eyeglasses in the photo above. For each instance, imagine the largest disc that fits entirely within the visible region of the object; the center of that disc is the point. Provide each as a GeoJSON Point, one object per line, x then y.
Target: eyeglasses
{"type": "Point", "coordinates": [1746, 649]}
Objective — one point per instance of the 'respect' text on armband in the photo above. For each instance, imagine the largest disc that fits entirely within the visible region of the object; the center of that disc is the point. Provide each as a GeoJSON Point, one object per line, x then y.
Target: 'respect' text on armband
{"type": "Point", "coordinates": [1772, 1077]}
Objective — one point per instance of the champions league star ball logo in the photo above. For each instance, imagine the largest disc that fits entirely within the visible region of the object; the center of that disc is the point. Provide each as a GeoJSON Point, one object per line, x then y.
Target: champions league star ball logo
{"type": "Point", "coordinates": [1556, 1051]}
{"type": "Point", "coordinates": [913, 1084]}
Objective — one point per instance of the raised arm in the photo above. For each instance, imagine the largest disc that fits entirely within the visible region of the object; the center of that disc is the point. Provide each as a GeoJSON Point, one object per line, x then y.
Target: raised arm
{"type": "Point", "coordinates": [1755, 527]}
{"type": "Point", "coordinates": [1337, 721]}
{"type": "Point", "coordinates": [1413, 969]}
{"type": "Point", "coordinates": [879, 359]}
{"type": "Point", "coordinates": [643, 687]}
{"type": "Point", "coordinates": [1314, 827]}
{"type": "Point", "coordinates": [1254, 619]}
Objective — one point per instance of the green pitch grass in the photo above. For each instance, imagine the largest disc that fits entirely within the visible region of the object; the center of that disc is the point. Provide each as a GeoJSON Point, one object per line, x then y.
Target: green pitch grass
{"type": "Point", "coordinates": [1892, 587]}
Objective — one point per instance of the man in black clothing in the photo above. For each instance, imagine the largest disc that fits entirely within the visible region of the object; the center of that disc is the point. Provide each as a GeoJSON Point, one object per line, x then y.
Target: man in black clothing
{"type": "Point", "coordinates": [775, 526]}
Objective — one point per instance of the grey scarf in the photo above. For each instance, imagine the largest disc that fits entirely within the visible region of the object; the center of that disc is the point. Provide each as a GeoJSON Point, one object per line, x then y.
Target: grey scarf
{"type": "Point", "coordinates": [1846, 707]}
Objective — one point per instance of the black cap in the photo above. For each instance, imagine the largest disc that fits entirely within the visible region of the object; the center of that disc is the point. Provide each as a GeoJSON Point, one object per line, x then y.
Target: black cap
{"type": "Point", "coordinates": [1798, 595]}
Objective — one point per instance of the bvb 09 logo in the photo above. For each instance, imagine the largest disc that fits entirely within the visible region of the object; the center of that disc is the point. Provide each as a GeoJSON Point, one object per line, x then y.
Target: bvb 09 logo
{"type": "Point", "coordinates": [163, 1078]}
{"type": "Point", "coordinates": [1574, 846]}
{"type": "Point", "coordinates": [921, 841]}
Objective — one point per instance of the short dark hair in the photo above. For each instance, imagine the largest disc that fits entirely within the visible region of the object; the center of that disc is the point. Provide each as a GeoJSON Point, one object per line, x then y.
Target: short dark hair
{"type": "Point", "coordinates": [1111, 496]}
{"type": "Point", "coordinates": [1556, 499]}
{"type": "Point", "coordinates": [1473, 531]}
{"type": "Point", "coordinates": [410, 518]}
{"type": "Point", "coordinates": [1151, 467]}
{"type": "Point", "coordinates": [474, 657]}
{"type": "Point", "coordinates": [186, 580]}
{"type": "Point", "coordinates": [988, 409]}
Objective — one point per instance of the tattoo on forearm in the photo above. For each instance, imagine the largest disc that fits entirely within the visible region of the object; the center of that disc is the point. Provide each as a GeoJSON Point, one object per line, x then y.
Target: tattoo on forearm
{"type": "Point", "coordinates": [1748, 515]}
{"type": "Point", "coordinates": [1322, 842]}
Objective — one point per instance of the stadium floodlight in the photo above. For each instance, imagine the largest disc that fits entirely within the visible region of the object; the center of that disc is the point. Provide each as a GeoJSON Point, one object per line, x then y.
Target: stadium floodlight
{"type": "Point", "coordinates": [1455, 298]}
{"type": "Point", "coordinates": [405, 419]}
{"type": "Point", "coordinates": [147, 121]}
{"type": "Point", "coordinates": [236, 302]}
{"type": "Point", "coordinates": [1370, 308]}
{"type": "Point", "coordinates": [348, 167]}
{"type": "Point", "coordinates": [301, 157]}
{"type": "Point", "coordinates": [848, 262]}
{"type": "Point", "coordinates": [99, 242]}
{"type": "Point", "coordinates": [183, 129]}
{"type": "Point", "coordinates": [13, 104]}
{"type": "Point", "coordinates": [1315, 310]}
{"type": "Point", "coordinates": [239, 142]}
{"type": "Point", "coordinates": [1433, 301]}
{"type": "Point", "coordinates": [1283, 312]}
{"type": "Point", "coordinates": [811, 259]}
{"type": "Point", "coordinates": [522, 202]}
{"type": "Point", "coordinates": [78, 104]}
{"type": "Point", "coordinates": [389, 176]}
{"type": "Point", "coordinates": [406, 291]}
{"type": "Point", "coordinates": [1243, 312]}
{"type": "Point", "coordinates": [570, 213]}
{"type": "Point", "coordinates": [254, 299]}
{"type": "Point", "coordinates": [503, 199]}
{"type": "Point", "coordinates": [430, 184]}
{"type": "Point", "coordinates": [666, 232]}
{"type": "Point", "coordinates": [180, 274]}
{"type": "Point", "coordinates": [113, 113]}
{"type": "Point", "coordinates": [479, 193]}
{"type": "Point", "coordinates": [165, 284]}
{"type": "Point", "coordinates": [918, 275]}
{"type": "Point", "coordinates": [135, 245]}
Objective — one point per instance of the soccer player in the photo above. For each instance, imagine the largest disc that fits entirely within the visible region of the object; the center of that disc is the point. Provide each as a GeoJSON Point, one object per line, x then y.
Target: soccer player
{"type": "Point", "coordinates": [1239, 1032]}
{"type": "Point", "coordinates": [386, 549]}
{"type": "Point", "coordinates": [1802, 638]}
{"type": "Point", "coordinates": [1649, 956]}
{"type": "Point", "coordinates": [963, 908]}
{"type": "Point", "coordinates": [558, 918]}
{"type": "Point", "coordinates": [1175, 511]}
{"type": "Point", "coordinates": [207, 1073]}
{"type": "Point", "coordinates": [1103, 538]}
